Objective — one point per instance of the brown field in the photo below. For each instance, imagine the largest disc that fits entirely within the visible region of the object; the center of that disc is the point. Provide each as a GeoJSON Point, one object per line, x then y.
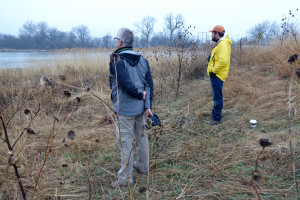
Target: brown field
{"type": "Point", "coordinates": [188, 159]}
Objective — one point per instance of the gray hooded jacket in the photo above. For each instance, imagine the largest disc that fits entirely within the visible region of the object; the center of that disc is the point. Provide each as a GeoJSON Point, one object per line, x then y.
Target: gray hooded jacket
{"type": "Point", "coordinates": [134, 77]}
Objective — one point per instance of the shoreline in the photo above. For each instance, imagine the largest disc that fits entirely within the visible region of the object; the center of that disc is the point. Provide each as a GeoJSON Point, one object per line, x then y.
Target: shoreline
{"type": "Point", "coordinates": [24, 50]}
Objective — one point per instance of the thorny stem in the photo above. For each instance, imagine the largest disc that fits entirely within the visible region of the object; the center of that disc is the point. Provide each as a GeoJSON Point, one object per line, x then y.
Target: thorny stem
{"type": "Point", "coordinates": [135, 145]}
{"type": "Point", "coordinates": [19, 109]}
{"type": "Point", "coordinates": [295, 36]}
{"type": "Point", "coordinates": [25, 130]}
{"type": "Point", "coordinates": [89, 174]}
{"type": "Point", "coordinates": [290, 136]}
{"type": "Point", "coordinates": [256, 166]}
{"type": "Point", "coordinates": [256, 161]}
{"type": "Point", "coordinates": [179, 74]}
{"type": "Point", "coordinates": [120, 135]}
{"type": "Point", "coordinates": [14, 165]}
{"type": "Point", "coordinates": [254, 186]}
{"type": "Point", "coordinates": [89, 92]}
{"type": "Point", "coordinates": [30, 98]}
{"type": "Point", "coordinates": [5, 133]}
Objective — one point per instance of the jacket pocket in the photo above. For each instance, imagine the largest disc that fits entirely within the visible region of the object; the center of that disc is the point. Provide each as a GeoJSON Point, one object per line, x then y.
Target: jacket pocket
{"type": "Point", "coordinates": [113, 95]}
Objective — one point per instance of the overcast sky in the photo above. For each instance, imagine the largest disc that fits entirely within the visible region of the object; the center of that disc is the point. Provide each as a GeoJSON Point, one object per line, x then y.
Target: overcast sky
{"type": "Point", "coordinates": [102, 17]}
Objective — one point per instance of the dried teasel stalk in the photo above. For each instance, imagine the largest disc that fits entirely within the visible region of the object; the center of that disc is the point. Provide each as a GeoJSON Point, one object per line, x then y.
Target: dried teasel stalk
{"type": "Point", "coordinates": [46, 81]}
{"type": "Point", "coordinates": [298, 73]}
{"type": "Point", "coordinates": [12, 160]}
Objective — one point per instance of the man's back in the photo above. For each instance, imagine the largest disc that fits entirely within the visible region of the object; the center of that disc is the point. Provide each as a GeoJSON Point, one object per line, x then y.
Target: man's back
{"type": "Point", "coordinates": [132, 68]}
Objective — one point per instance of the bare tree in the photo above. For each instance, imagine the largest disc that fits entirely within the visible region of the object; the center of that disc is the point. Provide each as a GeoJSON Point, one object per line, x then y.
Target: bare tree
{"type": "Point", "coordinates": [107, 41]}
{"type": "Point", "coordinates": [136, 41]}
{"type": "Point", "coordinates": [57, 39]}
{"type": "Point", "coordinates": [96, 42]}
{"type": "Point", "coordinates": [9, 41]}
{"type": "Point", "coordinates": [145, 27]}
{"type": "Point", "coordinates": [172, 23]}
{"type": "Point", "coordinates": [82, 34]}
{"type": "Point", "coordinates": [159, 39]}
{"type": "Point", "coordinates": [71, 41]}
{"type": "Point", "coordinates": [183, 45]}
{"type": "Point", "coordinates": [272, 31]}
{"type": "Point", "coordinates": [35, 33]}
{"type": "Point", "coordinates": [267, 29]}
{"type": "Point", "coordinates": [42, 34]}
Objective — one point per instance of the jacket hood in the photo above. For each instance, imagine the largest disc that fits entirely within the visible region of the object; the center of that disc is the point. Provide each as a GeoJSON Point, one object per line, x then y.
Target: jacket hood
{"type": "Point", "coordinates": [129, 55]}
{"type": "Point", "coordinates": [226, 39]}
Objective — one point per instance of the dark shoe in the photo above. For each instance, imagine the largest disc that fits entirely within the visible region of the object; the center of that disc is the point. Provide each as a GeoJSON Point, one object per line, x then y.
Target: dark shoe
{"type": "Point", "coordinates": [138, 169]}
{"type": "Point", "coordinates": [213, 122]}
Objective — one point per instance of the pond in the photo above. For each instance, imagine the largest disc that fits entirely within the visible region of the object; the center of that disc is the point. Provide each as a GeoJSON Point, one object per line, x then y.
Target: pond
{"type": "Point", "coordinates": [35, 59]}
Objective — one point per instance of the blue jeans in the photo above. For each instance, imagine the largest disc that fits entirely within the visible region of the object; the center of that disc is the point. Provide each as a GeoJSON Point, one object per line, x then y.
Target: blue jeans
{"type": "Point", "coordinates": [217, 87]}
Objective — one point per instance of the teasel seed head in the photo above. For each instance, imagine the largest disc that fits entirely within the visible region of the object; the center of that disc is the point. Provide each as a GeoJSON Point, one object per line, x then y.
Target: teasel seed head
{"type": "Point", "coordinates": [71, 134]}
{"type": "Point", "coordinates": [293, 58]}
{"type": "Point", "coordinates": [62, 77]}
{"type": "Point", "coordinates": [27, 112]}
{"type": "Point", "coordinates": [29, 131]}
{"type": "Point", "coordinates": [46, 81]}
{"type": "Point", "coordinates": [255, 175]}
{"type": "Point", "coordinates": [264, 143]}
{"type": "Point", "coordinates": [67, 93]}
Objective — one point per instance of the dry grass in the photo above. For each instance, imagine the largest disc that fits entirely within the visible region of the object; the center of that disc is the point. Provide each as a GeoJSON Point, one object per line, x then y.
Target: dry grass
{"type": "Point", "coordinates": [188, 159]}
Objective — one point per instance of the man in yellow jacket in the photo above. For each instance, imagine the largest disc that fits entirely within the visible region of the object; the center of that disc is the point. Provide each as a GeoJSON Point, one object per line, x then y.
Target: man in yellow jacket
{"type": "Point", "coordinates": [217, 70]}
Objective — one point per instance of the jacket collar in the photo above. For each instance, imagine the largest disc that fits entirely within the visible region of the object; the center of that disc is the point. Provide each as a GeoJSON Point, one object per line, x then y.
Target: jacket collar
{"type": "Point", "coordinates": [123, 49]}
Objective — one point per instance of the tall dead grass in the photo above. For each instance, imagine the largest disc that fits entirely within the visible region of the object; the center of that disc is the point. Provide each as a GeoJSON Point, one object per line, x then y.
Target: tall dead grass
{"type": "Point", "coordinates": [188, 159]}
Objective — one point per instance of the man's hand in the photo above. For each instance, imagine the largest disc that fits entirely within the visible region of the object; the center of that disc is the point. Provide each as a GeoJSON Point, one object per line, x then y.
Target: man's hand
{"type": "Point", "coordinates": [144, 95]}
{"type": "Point", "coordinates": [211, 74]}
{"type": "Point", "coordinates": [148, 112]}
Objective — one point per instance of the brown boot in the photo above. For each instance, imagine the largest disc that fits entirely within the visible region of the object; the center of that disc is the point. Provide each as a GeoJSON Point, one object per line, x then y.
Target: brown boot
{"type": "Point", "coordinates": [213, 122]}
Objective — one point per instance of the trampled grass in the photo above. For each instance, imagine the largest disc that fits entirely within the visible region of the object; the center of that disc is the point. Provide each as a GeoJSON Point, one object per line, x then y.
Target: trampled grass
{"type": "Point", "coordinates": [188, 158]}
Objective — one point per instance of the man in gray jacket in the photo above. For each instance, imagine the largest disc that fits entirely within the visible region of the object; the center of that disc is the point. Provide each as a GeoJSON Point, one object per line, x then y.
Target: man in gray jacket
{"type": "Point", "coordinates": [132, 93]}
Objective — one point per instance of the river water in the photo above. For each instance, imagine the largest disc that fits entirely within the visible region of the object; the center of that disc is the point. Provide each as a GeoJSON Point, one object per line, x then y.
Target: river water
{"type": "Point", "coordinates": [35, 59]}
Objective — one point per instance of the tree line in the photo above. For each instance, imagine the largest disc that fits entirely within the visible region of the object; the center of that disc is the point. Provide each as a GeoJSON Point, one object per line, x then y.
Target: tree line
{"type": "Point", "coordinates": [42, 37]}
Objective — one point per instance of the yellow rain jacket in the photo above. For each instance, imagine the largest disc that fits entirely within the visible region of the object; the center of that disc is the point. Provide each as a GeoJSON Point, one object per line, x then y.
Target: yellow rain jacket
{"type": "Point", "coordinates": [220, 58]}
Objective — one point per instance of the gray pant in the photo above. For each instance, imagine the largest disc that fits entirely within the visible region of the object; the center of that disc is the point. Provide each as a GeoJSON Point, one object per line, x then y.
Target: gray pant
{"type": "Point", "coordinates": [132, 127]}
